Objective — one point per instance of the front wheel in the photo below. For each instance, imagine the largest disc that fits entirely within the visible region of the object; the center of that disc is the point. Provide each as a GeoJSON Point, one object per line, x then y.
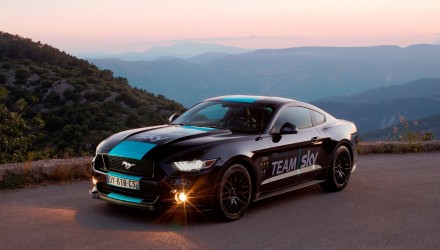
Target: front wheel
{"type": "Point", "coordinates": [234, 193]}
{"type": "Point", "coordinates": [339, 172]}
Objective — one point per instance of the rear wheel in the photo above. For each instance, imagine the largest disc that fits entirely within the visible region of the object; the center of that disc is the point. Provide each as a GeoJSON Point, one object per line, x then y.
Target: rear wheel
{"type": "Point", "coordinates": [339, 172]}
{"type": "Point", "coordinates": [234, 193]}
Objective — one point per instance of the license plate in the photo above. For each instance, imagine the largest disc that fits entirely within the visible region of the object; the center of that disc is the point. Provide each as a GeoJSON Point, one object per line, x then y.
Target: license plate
{"type": "Point", "coordinates": [123, 182]}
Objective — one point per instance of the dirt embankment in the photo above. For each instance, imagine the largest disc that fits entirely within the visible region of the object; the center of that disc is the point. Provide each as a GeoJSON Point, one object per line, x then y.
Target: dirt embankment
{"type": "Point", "coordinates": [384, 147]}
{"type": "Point", "coordinates": [13, 175]}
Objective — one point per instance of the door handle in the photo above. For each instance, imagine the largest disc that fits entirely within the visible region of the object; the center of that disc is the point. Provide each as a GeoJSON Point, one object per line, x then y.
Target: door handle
{"type": "Point", "coordinates": [316, 140]}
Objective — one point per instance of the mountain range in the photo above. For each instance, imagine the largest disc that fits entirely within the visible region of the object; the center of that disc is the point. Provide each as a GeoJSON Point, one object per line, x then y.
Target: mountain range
{"type": "Point", "coordinates": [182, 50]}
{"type": "Point", "coordinates": [304, 73]}
{"type": "Point", "coordinates": [372, 86]}
{"type": "Point", "coordinates": [429, 125]}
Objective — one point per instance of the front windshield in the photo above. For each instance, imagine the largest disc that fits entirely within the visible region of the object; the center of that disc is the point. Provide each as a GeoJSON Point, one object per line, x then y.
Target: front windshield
{"type": "Point", "coordinates": [235, 116]}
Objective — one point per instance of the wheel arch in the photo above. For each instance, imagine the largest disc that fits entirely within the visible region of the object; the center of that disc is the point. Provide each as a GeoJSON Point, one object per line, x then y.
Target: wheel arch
{"type": "Point", "coordinates": [250, 167]}
{"type": "Point", "coordinates": [348, 145]}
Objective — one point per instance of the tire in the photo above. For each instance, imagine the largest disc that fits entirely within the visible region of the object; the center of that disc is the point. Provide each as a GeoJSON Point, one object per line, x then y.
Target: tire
{"type": "Point", "coordinates": [340, 171]}
{"type": "Point", "coordinates": [234, 193]}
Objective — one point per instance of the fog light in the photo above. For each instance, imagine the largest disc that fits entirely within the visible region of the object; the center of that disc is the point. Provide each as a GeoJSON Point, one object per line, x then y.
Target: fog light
{"type": "Point", "coordinates": [180, 197]}
{"type": "Point", "coordinates": [94, 181]}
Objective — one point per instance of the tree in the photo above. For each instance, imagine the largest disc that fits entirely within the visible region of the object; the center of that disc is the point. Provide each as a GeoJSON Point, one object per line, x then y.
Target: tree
{"type": "Point", "coordinates": [16, 133]}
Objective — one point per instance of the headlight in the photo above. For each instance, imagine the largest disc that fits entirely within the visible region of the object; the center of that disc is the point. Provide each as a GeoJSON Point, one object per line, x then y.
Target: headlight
{"type": "Point", "coordinates": [188, 166]}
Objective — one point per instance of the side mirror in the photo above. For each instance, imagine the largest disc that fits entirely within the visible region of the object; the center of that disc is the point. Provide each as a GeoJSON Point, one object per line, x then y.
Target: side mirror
{"type": "Point", "coordinates": [288, 129]}
{"type": "Point", "coordinates": [173, 117]}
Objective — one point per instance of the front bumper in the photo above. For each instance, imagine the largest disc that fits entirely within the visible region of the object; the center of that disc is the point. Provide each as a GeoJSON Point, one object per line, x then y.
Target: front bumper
{"type": "Point", "coordinates": [158, 194]}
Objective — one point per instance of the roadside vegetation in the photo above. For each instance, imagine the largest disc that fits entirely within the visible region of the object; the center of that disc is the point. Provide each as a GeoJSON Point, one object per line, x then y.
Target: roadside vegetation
{"type": "Point", "coordinates": [403, 139]}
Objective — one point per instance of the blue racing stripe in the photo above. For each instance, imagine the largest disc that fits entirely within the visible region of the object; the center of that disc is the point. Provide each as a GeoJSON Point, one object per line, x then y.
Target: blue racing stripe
{"type": "Point", "coordinates": [124, 198]}
{"type": "Point", "coordinates": [247, 99]}
{"type": "Point", "coordinates": [124, 176]}
{"type": "Point", "coordinates": [199, 128]}
{"type": "Point", "coordinates": [131, 149]}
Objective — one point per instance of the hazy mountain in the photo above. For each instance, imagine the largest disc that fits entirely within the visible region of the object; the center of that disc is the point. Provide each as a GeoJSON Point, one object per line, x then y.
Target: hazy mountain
{"type": "Point", "coordinates": [306, 73]}
{"type": "Point", "coordinates": [183, 50]}
{"type": "Point", "coordinates": [429, 124]}
{"type": "Point", "coordinates": [373, 116]}
{"type": "Point", "coordinates": [379, 111]}
{"type": "Point", "coordinates": [414, 89]}
{"type": "Point", "coordinates": [206, 58]}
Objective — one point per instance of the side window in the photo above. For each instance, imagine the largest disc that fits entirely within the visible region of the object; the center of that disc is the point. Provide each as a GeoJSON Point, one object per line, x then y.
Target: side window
{"type": "Point", "coordinates": [317, 118]}
{"type": "Point", "coordinates": [298, 116]}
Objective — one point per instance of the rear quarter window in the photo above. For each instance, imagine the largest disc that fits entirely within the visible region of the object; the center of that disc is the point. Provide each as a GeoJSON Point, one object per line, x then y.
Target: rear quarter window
{"type": "Point", "coordinates": [317, 118]}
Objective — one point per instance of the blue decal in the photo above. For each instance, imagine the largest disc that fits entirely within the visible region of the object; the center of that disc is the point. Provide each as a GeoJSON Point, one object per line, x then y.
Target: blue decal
{"type": "Point", "coordinates": [124, 198]}
{"type": "Point", "coordinates": [124, 176]}
{"type": "Point", "coordinates": [247, 99]}
{"type": "Point", "coordinates": [199, 128]}
{"type": "Point", "coordinates": [131, 149]}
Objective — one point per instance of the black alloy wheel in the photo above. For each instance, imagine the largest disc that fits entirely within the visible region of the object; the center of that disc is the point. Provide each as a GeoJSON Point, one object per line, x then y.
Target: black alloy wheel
{"type": "Point", "coordinates": [340, 171]}
{"type": "Point", "coordinates": [234, 193]}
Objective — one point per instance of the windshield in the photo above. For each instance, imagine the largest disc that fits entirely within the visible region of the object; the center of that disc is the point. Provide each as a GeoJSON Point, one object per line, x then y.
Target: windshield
{"type": "Point", "coordinates": [235, 116]}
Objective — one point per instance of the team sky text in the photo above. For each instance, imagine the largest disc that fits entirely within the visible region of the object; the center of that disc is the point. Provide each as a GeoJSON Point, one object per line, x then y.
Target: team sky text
{"type": "Point", "coordinates": [291, 164]}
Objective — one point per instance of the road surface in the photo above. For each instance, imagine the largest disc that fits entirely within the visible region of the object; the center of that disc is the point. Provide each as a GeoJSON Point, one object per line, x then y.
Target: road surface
{"type": "Point", "coordinates": [391, 202]}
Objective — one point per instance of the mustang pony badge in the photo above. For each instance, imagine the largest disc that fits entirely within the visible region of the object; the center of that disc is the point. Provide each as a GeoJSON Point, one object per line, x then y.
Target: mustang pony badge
{"type": "Point", "coordinates": [127, 165]}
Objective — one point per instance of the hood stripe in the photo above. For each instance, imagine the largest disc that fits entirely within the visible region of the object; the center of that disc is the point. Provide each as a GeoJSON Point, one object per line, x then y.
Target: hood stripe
{"type": "Point", "coordinates": [199, 128]}
{"type": "Point", "coordinates": [131, 149]}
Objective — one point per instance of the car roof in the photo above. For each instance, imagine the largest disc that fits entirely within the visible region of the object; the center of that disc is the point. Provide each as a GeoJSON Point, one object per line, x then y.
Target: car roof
{"type": "Point", "coordinates": [254, 99]}
{"type": "Point", "coordinates": [270, 100]}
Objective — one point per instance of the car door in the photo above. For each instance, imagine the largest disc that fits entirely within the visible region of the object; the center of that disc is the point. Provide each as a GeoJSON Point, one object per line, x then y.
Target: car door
{"type": "Point", "coordinates": [292, 157]}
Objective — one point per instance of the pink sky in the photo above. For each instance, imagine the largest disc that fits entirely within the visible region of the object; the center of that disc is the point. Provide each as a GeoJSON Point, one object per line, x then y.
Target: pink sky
{"type": "Point", "coordinates": [115, 26]}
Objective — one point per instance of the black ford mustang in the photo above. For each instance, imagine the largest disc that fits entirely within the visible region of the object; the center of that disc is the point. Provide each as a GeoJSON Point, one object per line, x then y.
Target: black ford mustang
{"type": "Point", "coordinates": [224, 153]}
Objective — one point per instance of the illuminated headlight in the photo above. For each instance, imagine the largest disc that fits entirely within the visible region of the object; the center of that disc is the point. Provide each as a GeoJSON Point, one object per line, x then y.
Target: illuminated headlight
{"type": "Point", "coordinates": [188, 166]}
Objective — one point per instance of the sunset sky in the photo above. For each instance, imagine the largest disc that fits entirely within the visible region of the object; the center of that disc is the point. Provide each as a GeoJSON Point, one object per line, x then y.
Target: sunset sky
{"type": "Point", "coordinates": [114, 26]}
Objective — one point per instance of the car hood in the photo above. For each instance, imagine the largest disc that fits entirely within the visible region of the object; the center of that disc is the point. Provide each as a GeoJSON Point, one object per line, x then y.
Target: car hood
{"type": "Point", "coordinates": [138, 143]}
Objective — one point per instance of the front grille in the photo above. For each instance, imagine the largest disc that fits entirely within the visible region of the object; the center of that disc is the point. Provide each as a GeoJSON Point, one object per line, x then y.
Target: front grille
{"type": "Point", "coordinates": [138, 167]}
{"type": "Point", "coordinates": [144, 167]}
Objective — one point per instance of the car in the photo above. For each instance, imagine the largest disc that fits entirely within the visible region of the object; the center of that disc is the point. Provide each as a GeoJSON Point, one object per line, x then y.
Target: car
{"type": "Point", "coordinates": [224, 153]}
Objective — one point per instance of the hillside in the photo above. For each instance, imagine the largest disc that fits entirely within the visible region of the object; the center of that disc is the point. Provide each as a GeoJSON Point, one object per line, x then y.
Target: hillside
{"type": "Point", "coordinates": [76, 104]}
{"type": "Point", "coordinates": [305, 73]}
